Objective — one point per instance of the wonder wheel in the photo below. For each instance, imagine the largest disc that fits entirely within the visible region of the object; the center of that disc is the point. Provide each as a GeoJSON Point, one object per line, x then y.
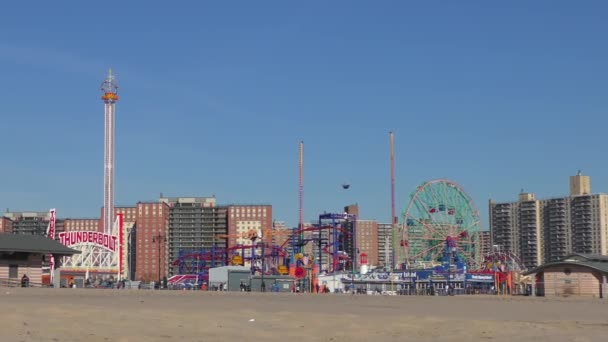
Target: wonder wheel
{"type": "Point", "coordinates": [440, 228]}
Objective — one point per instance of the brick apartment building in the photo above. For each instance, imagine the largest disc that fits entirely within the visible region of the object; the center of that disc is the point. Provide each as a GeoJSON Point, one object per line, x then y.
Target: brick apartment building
{"type": "Point", "coordinates": [367, 241]}
{"type": "Point", "coordinates": [81, 224]}
{"type": "Point", "coordinates": [151, 240]}
{"type": "Point", "coordinates": [6, 225]}
{"type": "Point", "coordinates": [243, 218]}
{"type": "Point", "coordinates": [367, 236]}
{"type": "Point", "coordinates": [160, 230]}
{"type": "Point", "coordinates": [129, 213]}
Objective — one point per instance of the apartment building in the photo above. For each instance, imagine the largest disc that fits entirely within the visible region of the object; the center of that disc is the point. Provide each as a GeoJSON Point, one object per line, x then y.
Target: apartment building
{"type": "Point", "coordinates": [547, 230]}
{"type": "Point", "coordinates": [503, 226]}
{"type": "Point", "coordinates": [242, 219]}
{"type": "Point", "coordinates": [530, 230]}
{"type": "Point", "coordinates": [485, 241]}
{"type": "Point", "coordinates": [385, 244]}
{"type": "Point", "coordinates": [367, 241]}
{"type": "Point", "coordinates": [151, 257]}
{"type": "Point", "coordinates": [33, 223]}
{"type": "Point", "coordinates": [129, 214]}
{"type": "Point", "coordinates": [6, 225]}
{"type": "Point", "coordinates": [82, 224]}
{"type": "Point", "coordinates": [195, 224]}
{"type": "Point", "coordinates": [281, 233]}
{"type": "Point", "coordinates": [557, 229]}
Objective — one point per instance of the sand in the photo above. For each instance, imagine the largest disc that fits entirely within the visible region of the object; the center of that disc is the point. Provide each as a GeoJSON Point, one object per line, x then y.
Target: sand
{"type": "Point", "coordinates": [144, 315]}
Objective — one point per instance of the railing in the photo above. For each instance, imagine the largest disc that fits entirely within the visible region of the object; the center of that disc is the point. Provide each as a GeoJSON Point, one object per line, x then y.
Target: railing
{"type": "Point", "coordinates": [4, 282]}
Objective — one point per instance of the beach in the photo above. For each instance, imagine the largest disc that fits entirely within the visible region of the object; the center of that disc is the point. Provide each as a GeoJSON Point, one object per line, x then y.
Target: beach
{"type": "Point", "coordinates": [34, 314]}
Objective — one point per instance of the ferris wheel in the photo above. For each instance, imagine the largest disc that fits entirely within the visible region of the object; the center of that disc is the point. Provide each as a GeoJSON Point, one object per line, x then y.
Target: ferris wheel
{"type": "Point", "coordinates": [441, 227]}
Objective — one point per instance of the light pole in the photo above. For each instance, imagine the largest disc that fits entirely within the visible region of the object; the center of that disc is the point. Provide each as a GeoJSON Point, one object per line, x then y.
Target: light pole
{"type": "Point", "coordinates": [262, 285]}
{"type": "Point", "coordinates": [158, 239]}
{"type": "Point", "coordinates": [130, 253]}
{"type": "Point", "coordinates": [354, 260]}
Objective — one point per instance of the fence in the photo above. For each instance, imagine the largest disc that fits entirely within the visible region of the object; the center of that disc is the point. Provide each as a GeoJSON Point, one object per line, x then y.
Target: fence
{"type": "Point", "coordinates": [8, 282]}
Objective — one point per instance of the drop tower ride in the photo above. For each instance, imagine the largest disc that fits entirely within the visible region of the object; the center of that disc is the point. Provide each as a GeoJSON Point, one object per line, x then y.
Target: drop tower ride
{"type": "Point", "coordinates": [109, 88]}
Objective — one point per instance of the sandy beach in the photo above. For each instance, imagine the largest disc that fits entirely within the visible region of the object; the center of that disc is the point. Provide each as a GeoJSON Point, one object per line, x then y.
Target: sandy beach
{"type": "Point", "coordinates": [131, 315]}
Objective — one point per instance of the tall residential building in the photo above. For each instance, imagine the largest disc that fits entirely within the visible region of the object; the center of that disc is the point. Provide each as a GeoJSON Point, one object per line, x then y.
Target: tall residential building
{"type": "Point", "coordinates": [367, 241]}
{"type": "Point", "coordinates": [281, 234]}
{"type": "Point", "coordinates": [151, 241]}
{"type": "Point", "coordinates": [385, 244]}
{"type": "Point", "coordinates": [245, 218]}
{"type": "Point", "coordinates": [349, 245]}
{"type": "Point", "coordinates": [580, 185]}
{"type": "Point", "coordinates": [557, 228]}
{"type": "Point", "coordinates": [195, 224]}
{"type": "Point", "coordinates": [34, 223]}
{"type": "Point", "coordinates": [485, 242]}
{"type": "Point", "coordinates": [589, 216]}
{"type": "Point", "coordinates": [6, 225]}
{"type": "Point", "coordinates": [129, 213]}
{"type": "Point", "coordinates": [540, 231]}
{"type": "Point", "coordinates": [530, 230]}
{"type": "Point", "coordinates": [503, 226]}
{"type": "Point", "coordinates": [352, 209]}
{"type": "Point", "coordinates": [82, 224]}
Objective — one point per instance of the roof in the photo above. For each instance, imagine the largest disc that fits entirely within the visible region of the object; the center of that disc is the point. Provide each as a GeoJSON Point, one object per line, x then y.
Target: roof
{"type": "Point", "coordinates": [594, 261]}
{"type": "Point", "coordinates": [33, 244]}
{"type": "Point", "coordinates": [587, 257]}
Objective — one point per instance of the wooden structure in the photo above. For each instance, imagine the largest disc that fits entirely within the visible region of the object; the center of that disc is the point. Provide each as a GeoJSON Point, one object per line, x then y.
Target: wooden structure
{"type": "Point", "coordinates": [583, 275]}
{"type": "Point", "coordinates": [22, 254]}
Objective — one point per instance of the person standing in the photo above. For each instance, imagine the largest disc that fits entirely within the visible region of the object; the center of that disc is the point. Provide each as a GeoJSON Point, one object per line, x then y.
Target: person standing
{"type": "Point", "coordinates": [25, 281]}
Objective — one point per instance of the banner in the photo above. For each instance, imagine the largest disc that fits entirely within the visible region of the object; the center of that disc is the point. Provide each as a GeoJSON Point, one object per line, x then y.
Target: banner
{"type": "Point", "coordinates": [50, 233]}
{"type": "Point", "coordinates": [104, 240]}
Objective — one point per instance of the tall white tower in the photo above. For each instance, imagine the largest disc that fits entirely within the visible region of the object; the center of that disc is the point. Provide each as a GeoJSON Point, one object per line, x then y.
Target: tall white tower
{"type": "Point", "coordinates": [109, 87]}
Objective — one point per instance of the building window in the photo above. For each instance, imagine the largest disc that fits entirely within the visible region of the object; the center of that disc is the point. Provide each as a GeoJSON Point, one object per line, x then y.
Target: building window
{"type": "Point", "coordinates": [13, 271]}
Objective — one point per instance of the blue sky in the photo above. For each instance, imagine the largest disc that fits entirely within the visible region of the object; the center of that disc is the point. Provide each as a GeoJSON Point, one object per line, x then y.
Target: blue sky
{"type": "Point", "coordinates": [215, 97]}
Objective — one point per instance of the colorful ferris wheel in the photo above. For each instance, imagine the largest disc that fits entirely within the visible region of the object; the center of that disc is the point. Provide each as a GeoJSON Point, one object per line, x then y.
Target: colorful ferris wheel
{"type": "Point", "coordinates": [441, 227]}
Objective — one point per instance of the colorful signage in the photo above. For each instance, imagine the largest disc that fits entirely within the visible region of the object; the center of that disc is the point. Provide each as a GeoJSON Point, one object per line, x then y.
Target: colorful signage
{"type": "Point", "coordinates": [480, 277]}
{"type": "Point", "coordinates": [50, 233]}
{"type": "Point", "coordinates": [106, 241]}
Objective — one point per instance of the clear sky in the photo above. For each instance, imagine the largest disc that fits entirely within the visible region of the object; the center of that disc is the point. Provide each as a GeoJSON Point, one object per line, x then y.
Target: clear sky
{"type": "Point", "coordinates": [215, 96]}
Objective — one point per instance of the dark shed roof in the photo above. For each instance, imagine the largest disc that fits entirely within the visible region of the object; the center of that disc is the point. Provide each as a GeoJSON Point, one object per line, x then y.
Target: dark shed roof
{"type": "Point", "coordinates": [597, 262]}
{"type": "Point", "coordinates": [33, 244]}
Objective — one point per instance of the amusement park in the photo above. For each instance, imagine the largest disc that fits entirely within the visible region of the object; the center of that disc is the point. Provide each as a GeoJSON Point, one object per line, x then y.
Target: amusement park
{"type": "Point", "coordinates": [437, 248]}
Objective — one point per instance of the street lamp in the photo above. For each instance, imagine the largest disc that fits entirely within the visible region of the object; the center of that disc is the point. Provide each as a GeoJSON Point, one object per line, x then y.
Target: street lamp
{"type": "Point", "coordinates": [130, 253]}
{"type": "Point", "coordinates": [262, 284]}
{"type": "Point", "coordinates": [158, 239]}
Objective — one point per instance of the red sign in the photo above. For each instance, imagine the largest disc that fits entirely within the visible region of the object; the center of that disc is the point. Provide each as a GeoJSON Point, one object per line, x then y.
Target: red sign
{"type": "Point", "coordinates": [51, 228]}
{"type": "Point", "coordinates": [300, 272]}
{"type": "Point", "coordinates": [50, 233]}
{"type": "Point", "coordinates": [101, 239]}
